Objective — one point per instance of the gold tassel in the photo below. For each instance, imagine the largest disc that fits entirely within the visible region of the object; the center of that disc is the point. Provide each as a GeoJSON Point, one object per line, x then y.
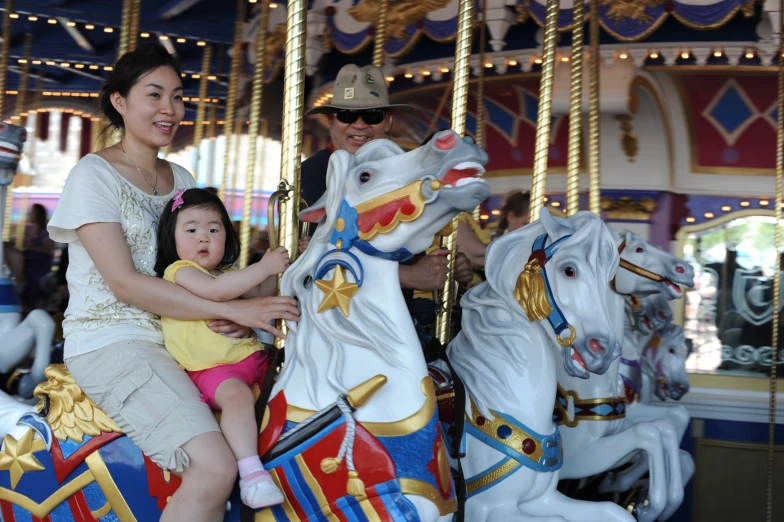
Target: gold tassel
{"type": "Point", "coordinates": [330, 465]}
{"type": "Point", "coordinates": [355, 486]}
{"type": "Point", "coordinates": [530, 292]}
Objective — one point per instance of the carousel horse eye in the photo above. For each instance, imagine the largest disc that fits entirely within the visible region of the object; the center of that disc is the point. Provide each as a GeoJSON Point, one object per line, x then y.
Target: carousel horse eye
{"type": "Point", "coordinates": [672, 350]}
{"type": "Point", "coordinates": [640, 250]}
{"type": "Point", "coordinates": [570, 272]}
{"type": "Point", "coordinates": [365, 177]}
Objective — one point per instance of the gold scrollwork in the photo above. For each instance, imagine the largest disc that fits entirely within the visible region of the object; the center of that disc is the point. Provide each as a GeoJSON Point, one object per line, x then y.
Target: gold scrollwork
{"type": "Point", "coordinates": [628, 208]}
{"type": "Point", "coordinates": [423, 489]}
{"type": "Point", "coordinates": [629, 141]}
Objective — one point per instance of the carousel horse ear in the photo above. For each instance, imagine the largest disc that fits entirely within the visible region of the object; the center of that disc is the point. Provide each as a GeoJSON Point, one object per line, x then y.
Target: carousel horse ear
{"type": "Point", "coordinates": [555, 227]}
{"type": "Point", "coordinates": [315, 212]}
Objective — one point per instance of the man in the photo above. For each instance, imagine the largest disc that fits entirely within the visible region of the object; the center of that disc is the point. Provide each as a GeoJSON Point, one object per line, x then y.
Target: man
{"type": "Point", "coordinates": [360, 112]}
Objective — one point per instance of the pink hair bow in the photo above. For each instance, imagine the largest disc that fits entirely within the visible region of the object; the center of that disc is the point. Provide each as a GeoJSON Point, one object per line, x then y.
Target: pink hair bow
{"type": "Point", "coordinates": [178, 202]}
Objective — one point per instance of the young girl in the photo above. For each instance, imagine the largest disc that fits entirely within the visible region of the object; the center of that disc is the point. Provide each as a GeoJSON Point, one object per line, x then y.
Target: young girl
{"type": "Point", "coordinates": [196, 246]}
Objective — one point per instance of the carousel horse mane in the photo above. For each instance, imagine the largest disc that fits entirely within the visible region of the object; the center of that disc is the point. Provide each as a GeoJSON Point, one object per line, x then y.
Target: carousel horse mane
{"type": "Point", "coordinates": [368, 325]}
{"type": "Point", "coordinates": [486, 341]}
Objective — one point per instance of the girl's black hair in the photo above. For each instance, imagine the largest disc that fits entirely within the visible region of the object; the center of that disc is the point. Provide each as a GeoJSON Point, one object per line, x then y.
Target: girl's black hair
{"type": "Point", "coordinates": [127, 71]}
{"type": "Point", "coordinates": [193, 198]}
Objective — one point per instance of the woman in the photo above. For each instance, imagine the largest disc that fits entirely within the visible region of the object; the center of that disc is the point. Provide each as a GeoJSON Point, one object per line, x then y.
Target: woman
{"type": "Point", "coordinates": [38, 256]}
{"type": "Point", "coordinates": [108, 213]}
{"type": "Point", "coordinates": [514, 212]}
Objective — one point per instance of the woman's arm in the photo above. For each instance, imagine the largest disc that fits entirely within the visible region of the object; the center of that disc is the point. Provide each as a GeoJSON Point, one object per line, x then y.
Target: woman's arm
{"type": "Point", "coordinates": [106, 247]}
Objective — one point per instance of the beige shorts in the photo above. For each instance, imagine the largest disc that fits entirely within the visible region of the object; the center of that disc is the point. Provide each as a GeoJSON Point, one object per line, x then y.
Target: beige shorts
{"type": "Point", "coordinates": [141, 387]}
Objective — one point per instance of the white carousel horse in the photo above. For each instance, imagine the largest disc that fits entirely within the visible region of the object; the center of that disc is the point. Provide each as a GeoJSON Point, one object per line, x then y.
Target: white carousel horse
{"type": "Point", "coordinates": [596, 437]}
{"type": "Point", "coordinates": [665, 364]}
{"type": "Point", "coordinates": [34, 334]}
{"type": "Point", "coordinates": [355, 332]}
{"type": "Point", "coordinates": [507, 353]}
{"type": "Point", "coordinates": [652, 312]}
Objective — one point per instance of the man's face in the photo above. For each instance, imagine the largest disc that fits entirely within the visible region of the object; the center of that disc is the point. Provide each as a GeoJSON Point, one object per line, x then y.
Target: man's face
{"type": "Point", "coordinates": [351, 136]}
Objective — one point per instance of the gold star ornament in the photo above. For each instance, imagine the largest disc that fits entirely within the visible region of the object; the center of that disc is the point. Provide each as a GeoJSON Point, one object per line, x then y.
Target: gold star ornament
{"type": "Point", "coordinates": [337, 292]}
{"type": "Point", "coordinates": [17, 457]}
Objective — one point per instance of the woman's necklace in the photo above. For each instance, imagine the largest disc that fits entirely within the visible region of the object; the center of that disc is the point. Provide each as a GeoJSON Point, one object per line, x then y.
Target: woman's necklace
{"type": "Point", "coordinates": [154, 187]}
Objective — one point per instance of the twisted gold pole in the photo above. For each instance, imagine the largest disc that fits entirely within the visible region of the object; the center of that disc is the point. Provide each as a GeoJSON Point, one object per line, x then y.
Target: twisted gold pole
{"type": "Point", "coordinates": [4, 52]}
{"type": "Point", "coordinates": [542, 143]}
{"type": "Point", "coordinates": [594, 194]}
{"type": "Point", "coordinates": [25, 201]}
{"type": "Point", "coordinates": [18, 119]}
{"type": "Point", "coordinates": [381, 33]}
{"type": "Point", "coordinates": [133, 32]}
{"type": "Point", "coordinates": [125, 27]}
{"type": "Point", "coordinates": [575, 112]}
{"type": "Point", "coordinates": [231, 97]}
{"type": "Point", "coordinates": [253, 133]}
{"type": "Point", "coordinates": [235, 171]}
{"type": "Point", "coordinates": [774, 350]}
{"type": "Point", "coordinates": [480, 92]}
{"type": "Point", "coordinates": [293, 114]}
{"type": "Point", "coordinates": [462, 71]}
{"type": "Point", "coordinates": [198, 130]}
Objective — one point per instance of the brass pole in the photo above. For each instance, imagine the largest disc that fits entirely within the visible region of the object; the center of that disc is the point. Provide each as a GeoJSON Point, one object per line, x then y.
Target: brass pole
{"type": "Point", "coordinates": [125, 27]}
{"type": "Point", "coordinates": [253, 133]}
{"type": "Point", "coordinates": [776, 323]}
{"type": "Point", "coordinates": [542, 144]}
{"type": "Point", "coordinates": [231, 97]}
{"type": "Point", "coordinates": [293, 114]}
{"type": "Point", "coordinates": [575, 112]}
{"type": "Point", "coordinates": [480, 92]}
{"type": "Point", "coordinates": [25, 202]}
{"type": "Point", "coordinates": [4, 52]}
{"type": "Point", "coordinates": [198, 130]}
{"type": "Point", "coordinates": [133, 32]}
{"type": "Point", "coordinates": [594, 195]}
{"type": "Point", "coordinates": [236, 167]}
{"type": "Point", "coordinates": [18, 119]}
{"type": "Point", "coordinates": [381, 33]}
{"type": "Point", "coordinates": [462, 71]}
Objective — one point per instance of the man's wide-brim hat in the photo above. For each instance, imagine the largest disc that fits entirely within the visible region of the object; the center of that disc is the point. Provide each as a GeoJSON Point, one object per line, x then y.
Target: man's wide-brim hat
{"type": "Point", "coordinates": [358, 88]}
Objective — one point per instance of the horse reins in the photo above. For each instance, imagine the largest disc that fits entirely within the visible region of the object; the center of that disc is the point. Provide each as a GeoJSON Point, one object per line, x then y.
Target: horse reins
{"type": "Point", "coordinates": [635, 269]}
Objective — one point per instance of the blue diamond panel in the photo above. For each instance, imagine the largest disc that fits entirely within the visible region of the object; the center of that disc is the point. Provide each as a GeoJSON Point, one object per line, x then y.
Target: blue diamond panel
{"type": "Point", "coordinates": [531, 107]}
{"type": "Point", "coordinates": [501, 118]}
{"type": "Point", "coordinates": [731, 111]}
{"type": "Point", "coordinates": [602, 409]}
{"type": "Point", "coordinates": [774, 114]}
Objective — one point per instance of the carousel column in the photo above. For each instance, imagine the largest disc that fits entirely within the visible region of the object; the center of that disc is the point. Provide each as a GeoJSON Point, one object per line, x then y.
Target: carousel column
{"type": "Point", "coordinates": [462, 71]}
{"type": "Point", "coordinates": [381, 33]}
{"type": "Point", "coordinates": [480, 92]}
{"type": "Point", "coordinates": [575, 111]}
{"type": "Point", "coordinates": [253, 133]}
{"type": "Point", "coordinates": [6, 191]}
{"type": "Point", "coordinates": [231, 98]}
{"type": "Point", "coordinates": [594, 194]}
{"type": "Point", "coordinates": [198, 130]}
{"type": "Point", "coordinates": [19, 118]}
{"type": "Point", "coordinates": [542, 143]}
{"type": "Point", "coordinates": [25, 201]}
{"type": "Point", "coordinates": [291, 146]}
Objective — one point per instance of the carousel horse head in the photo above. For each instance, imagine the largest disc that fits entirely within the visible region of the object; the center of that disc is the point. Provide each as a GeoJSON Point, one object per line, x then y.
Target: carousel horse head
{"type": "Point", "coordinates": [667, 352]}
{"type": "Point", "coordinates": [638, 312]}
{"type": "Point", "coordinates": [658, 310]}
{"type": "Point", "coordinates": [12, 138]}
{"type": "Point", "coordinates": [564, 278]}
{"type": "Point", "coordinates": [646, 269]}
{"type": "Point", "coordinates": [390, 202]}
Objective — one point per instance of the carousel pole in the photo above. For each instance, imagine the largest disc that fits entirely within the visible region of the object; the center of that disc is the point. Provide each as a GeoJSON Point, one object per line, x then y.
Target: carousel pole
{"type": "Point", "coordinates": [236, 167]}
{"type": "Point", "coordinates": [133, 32]}
{"type": "Point", "coordinates": [575, 111]}
{"type": "Point", "coordinates": [4, 52]}
{"type": "Point", "coordinates": [542, 143]}
{"type": "Point", "coordinates": [253, 133]}
{"type": "Point", "coordinates": [462, 71]}
{"type": "Point", "coordinates": [381, 33]}
{"type": "Point", "coordinates": [198, 130]}
{"type": "Point", "coordinates": [480, 93]}
{"type": "Point", "coordinates": [776, 323]}
{"type": "Point", "coordinates": [125, 27]}
{"type": "Point", "coordinates": [594, 194]}
{"type": "Point", "coordinates": [291, 146]}
{"type": "Point", "coordinates": [231, 97]}
{"type": "Point", "coordinates": [25, 201]}
{"type": "Point", "coordinates": [18, 119]}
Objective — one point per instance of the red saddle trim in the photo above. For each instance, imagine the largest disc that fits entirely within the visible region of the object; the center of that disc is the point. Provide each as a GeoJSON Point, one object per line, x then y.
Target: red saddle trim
{"type": "Point", "coordinates": [63, 467]}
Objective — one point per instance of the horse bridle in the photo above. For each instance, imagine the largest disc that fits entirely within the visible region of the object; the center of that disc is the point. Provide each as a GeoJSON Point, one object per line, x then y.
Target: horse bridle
{"type": "Point", "coordinates": [636, 269]}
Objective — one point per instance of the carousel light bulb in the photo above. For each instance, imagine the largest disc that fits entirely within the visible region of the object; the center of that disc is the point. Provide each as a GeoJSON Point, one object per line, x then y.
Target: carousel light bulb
{"type": "Point", "coordinates": [79, 66]}
{"type": "Point", "coordinates": [145, 35]}
{"type": "Point", "coordinates": [426, 73]}
{"type": "Point", "coordinates": [445, 70]}
{"type": "Point", "coordinates": [51, 21]}
{"type": "Point", "coordinates": [484, 217]}
{"type": "Point", "coordinates": [13, 15]}
{"type": "Point", "coordinates": [564, 58]}
{"type": "Point", "coordinates": [51, 63]}
{"type": "Point", "coordinates": [70, 24]}
{"type": "Point", "coordinates": [273, 5]}
{"type": "Point", "coordinates": [163, 37]}
{"type": "Point", "coordinates": [195, 76]}
{"type": "Point", "coordinates": [495, 212]}
{"type": "Point", "coordinates": [180, 40]}
{"type": "Point", "coordinates": [212, 77]}
{"type": "Point", "coordinates": [556, 204]}
{"type": "Point", "coordinates": [512, 63]}
{"type": "Point", "coordinates": [690, 219]}
{"type": "Point", "coordinates": [390, 78]}
{"type": "Point", "coordinates": [538, 60]}
{"type": "Point", "coordinates": [623, 56]}
{"type": "Point", "coordinates": [89, 27]}
{"type": "Point", "coordinates": [708, 215]}
{"type": "Point", "coordinates": [764, 202]}
{"type": "Point", "coordinates": [654, 55]}
{"type": "Point", "coordinates": [408, 75]}
{"type": "Point", "coordinates": [749, 55]}
{"type": "Point", "coordinates": [201, 44]}
{"type": "Point", "coordinates": [726, 208]}
{"type": "Point", "coordinates": [21, 60]}
{"type": "Point", "coordinates": [329, 95]}
{"type": "Point", "coordinates": [93, 67]}
{"type": "Point", "coordinates": [32, 18]}
{"type": "Point", "coordinates": [744, 203]}
{"type": "Point", "coordinates": [489, 65]}
{"type": "Point", "coordinates": [36, 62]}
{"type": "Point", "coordinates": [685, 55]}
{"type": "Point", "coordinates": [717, 54]}
{"type": "Point", "coordinates": [65, 64]}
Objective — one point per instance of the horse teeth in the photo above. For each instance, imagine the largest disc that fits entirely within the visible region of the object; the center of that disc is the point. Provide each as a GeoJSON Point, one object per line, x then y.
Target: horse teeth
{"type": "Point", "coordinates": [466, 181]}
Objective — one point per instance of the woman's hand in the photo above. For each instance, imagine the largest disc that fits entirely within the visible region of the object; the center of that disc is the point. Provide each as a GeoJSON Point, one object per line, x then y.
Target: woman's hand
{"type": "Point", "coordinates": [230, 329]}
{"type": "Point", "coordinates": [276, 261]}
{"type": "Point", "coordinates": [259, 312]}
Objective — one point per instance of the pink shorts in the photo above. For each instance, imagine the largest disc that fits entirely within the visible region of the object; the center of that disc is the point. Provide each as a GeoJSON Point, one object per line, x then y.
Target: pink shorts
{"type": "Point", "coordinates": [250, 370]}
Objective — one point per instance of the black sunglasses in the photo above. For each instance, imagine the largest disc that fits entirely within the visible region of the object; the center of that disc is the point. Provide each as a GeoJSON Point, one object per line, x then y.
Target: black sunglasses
{"type": "Point", "coordinates": [369, 116]}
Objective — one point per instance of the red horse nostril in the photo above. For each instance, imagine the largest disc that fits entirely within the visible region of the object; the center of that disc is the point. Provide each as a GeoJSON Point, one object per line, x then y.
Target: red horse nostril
{"type": "Point", "coordinates": [680, 269]}
{"type": "Point", "coordinates": [595, 345]}
{"type": "Point", "coordinates": [446, 142]}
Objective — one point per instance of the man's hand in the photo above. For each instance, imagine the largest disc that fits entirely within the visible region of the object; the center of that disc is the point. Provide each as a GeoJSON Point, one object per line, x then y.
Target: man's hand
{"type": "Point", "coordinates": [303, 243]}
{"type": "Point", "coordinates": [464, 274]}
{"type": "Point", "coordinates": [230, 329]}
{"type": "Point", "coordinates": [429, 274]}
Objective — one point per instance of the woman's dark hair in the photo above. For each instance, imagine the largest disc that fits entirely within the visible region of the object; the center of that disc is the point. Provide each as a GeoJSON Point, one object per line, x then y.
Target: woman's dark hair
{"type": "Point", "coordinates": [517, 203]}
{"type": "Point", "coordinates": [127, 71]}
{"type": "Point", "coordinates": [38, 215]}
{"type": "Point", "coordinates": [167, 246]}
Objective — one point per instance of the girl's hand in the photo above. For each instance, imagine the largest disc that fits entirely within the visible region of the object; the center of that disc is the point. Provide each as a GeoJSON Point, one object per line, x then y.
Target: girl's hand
{"type": "Point", "coordinates": [276, 261]}
{"type": "Point", "coordinates": [230, 329]}
{"type": "Point", "coordinates": [259, 312]}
